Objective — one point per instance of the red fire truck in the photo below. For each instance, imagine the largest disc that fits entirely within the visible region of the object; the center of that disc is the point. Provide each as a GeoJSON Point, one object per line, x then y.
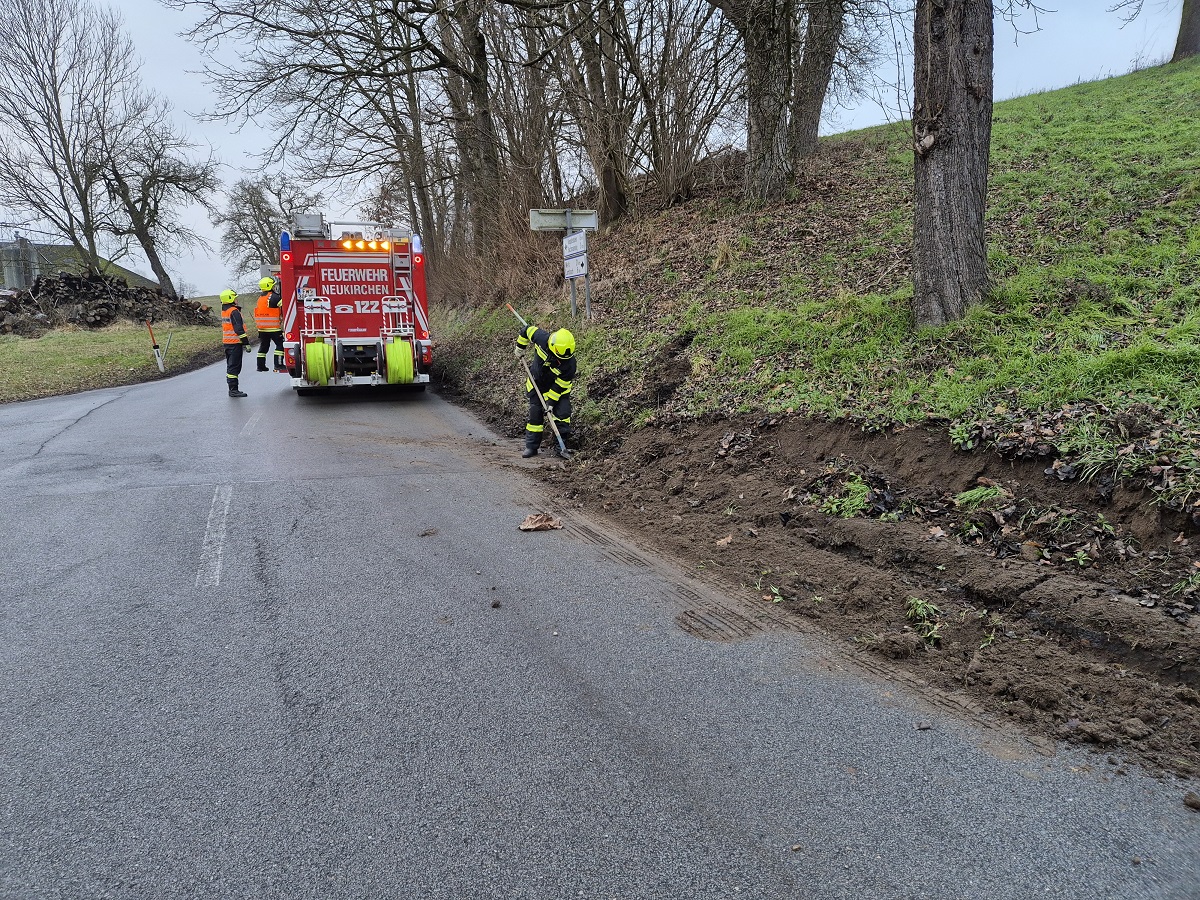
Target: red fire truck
{"type": "Point", "coordinates": [354, 305]}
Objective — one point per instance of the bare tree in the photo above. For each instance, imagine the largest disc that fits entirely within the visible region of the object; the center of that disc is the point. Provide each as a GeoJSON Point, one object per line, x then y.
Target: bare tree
{"type": "Point", "coordinates": [256, 211]}
{"type": "Point", "coordinates": [60, 62]}
{"type": "Point", "coordinates": [325, 78]}
{"type": "Point", "coordinates": [686, 64]}
{"type": "Point", "coordinates": [469, 69]}
{"type": "Point", "coordinates": [792, 48]}
{"type": "Point", "coordinates": [598, 95]}
{"type": "Point", "coordinates": [150, 175]}
{"type": "Point", "coordinates": [768, 32]}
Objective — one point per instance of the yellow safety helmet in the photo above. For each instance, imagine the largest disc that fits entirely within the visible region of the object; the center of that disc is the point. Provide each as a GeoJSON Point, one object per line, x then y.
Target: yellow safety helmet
{"type": "Point", "coordinates": [266, 284]}
{"type": "Point", "coordinates": [562, 344]}
{"type": "Point", "coordinates": [228, 296]}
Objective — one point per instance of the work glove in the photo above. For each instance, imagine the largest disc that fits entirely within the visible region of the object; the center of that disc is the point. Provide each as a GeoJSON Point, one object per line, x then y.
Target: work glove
{"type": "Point", "coordinates": [246, 347]}
{"type": "Point", "coordinates": [519, 352]}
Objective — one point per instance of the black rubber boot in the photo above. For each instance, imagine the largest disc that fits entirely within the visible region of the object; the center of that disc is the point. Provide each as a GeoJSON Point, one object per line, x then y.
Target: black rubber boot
{"type": "Point", "coordinates": [233, 389]}
{"type": "Point", "coordinates": [531, 445]}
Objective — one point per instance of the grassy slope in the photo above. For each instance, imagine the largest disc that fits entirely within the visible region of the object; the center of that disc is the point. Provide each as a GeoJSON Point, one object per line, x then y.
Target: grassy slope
{"type": "Point", "coordinates": [1094, 227]}
{"type": "Point", "coordinates": [64, 361]}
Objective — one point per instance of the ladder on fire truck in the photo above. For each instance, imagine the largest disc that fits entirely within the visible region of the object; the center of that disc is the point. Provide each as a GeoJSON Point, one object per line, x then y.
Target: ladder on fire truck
{"type": "Point", "coordinates": [318, 338]}
{"type": "Point", "coordinates": [399, 332]}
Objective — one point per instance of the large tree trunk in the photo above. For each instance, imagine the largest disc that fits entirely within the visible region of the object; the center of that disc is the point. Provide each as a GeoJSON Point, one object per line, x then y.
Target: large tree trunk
{"type": "Point", "coordinates": [156, 263]}
{"type": "Point", "coordinates": [1188, 42]}
{"type": "Point", "coordinates": [952, 128]}
{"type": "Point", "coordinates": [768, 43]}
{"type": "Point", "coordinates": [767, 30]}
{"type": "Point", "coordinates": [614, 178]}
{"type": "Point", "coordinates": [488, 202]}
{"type": "Point", "coordinates": [469, 95]}
{"type": "Point", "coordinates": [420, 205]}
{"type": "Point", "coordinates": [825, 21]}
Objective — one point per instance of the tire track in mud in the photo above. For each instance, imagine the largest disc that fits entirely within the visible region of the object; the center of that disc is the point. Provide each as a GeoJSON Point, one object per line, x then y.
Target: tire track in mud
{"type": "Point", "coordinates": [713, 610]}
{"type": "Point", "coordinates": [1103, 622]}
{"type": "Point", "coordinates": [703, 613]}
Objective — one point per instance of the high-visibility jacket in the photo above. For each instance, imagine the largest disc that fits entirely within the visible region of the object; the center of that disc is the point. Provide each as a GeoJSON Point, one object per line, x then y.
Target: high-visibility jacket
{"type": "Point", "coordinates": [552, 375]}
{"type": "Point", "coordinates": [267, 312]}
{"type": "Point", "coordinates": [233, 329]}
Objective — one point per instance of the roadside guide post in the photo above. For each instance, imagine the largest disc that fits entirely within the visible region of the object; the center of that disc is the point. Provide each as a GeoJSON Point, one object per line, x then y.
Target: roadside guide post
{"type": "Point", "coordinates": [158, 354]}
{"type": "Point", "coordinates": [577, 223]}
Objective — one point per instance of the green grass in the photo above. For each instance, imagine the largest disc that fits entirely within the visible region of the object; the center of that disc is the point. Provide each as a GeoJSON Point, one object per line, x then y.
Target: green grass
{"type": "Point", "coordinates": [977, 497]}
{"type": "Point", "coordinates": [1094, 246]}
{"type": "Point", "coordinates": [64, 361]}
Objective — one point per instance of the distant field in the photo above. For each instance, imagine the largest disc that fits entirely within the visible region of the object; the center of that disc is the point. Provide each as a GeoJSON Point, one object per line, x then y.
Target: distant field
{"type": "Point", "coordinates": [66, 361]}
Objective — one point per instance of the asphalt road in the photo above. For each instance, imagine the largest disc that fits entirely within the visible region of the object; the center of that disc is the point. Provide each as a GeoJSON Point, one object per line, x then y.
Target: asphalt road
{"type": "Point", "coordinates": [250, 649]}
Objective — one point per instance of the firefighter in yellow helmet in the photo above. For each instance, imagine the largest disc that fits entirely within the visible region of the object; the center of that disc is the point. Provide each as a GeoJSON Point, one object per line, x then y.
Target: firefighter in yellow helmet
{"type": "Point", "coordinates": [268, 314]}
{"type": "Point", "coordinates": [553, 368]}
{"type": "Point", "coordinates": [235, 339]}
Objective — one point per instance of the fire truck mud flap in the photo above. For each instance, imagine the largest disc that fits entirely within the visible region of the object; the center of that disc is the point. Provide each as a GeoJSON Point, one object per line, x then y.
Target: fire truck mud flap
{"type": "Point", "coordinates": [399, 356]}
{"type": "Point", "coordinates": [318, 362]}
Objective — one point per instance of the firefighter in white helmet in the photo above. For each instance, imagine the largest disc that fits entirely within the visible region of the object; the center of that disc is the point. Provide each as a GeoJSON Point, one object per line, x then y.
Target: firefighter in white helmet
{"type": "Point", "coordinates": [553, 369]}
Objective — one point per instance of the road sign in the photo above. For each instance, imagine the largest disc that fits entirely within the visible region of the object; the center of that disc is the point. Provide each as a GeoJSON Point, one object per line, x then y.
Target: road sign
{"type": "Point", "coordinates": [575, 267]}
{"type": "Point", "coordinates": [574, 244]}
{"type": "Point", "coordinates": [556, 219]}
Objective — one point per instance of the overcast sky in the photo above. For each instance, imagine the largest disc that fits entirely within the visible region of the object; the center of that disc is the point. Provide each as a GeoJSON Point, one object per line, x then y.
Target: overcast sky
{"type": "Point", "coordinates": [1079, 41]}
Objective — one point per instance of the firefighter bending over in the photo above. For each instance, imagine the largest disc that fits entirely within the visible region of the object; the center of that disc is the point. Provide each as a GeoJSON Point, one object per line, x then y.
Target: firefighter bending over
{"type": "Point", "coordinates": [268, 320]}
{"type": "Point", "coordinates": [235, 339]}
{"type": "Point", "coordinates": [553, 369]}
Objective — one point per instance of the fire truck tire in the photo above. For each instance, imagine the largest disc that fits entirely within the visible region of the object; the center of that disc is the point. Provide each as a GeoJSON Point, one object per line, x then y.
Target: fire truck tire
{"type": "Point", "coordinates": [318, 362]}
{"type": "Point", "coordinates": [399, 363]}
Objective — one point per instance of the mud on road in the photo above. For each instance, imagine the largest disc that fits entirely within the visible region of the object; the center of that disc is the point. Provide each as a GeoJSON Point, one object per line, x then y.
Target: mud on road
{"type": "Point", "coordinates": [1068, 611]}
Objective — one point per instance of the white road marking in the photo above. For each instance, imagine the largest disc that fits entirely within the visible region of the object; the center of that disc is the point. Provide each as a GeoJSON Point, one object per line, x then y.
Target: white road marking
{"type": "Point", "coordinates": [209, 573]}
{"type": "Point", "coordinates": [253, 421]}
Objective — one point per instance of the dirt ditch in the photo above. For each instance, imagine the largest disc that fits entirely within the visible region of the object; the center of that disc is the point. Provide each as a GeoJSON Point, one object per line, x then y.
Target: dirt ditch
{"type": "Point", "coordinates": [1070, 609]}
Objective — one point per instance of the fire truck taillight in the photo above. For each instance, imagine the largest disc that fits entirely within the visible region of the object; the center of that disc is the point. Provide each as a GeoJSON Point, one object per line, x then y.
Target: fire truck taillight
{"type": "Point", "coordinates": [417, 259]}
{"type": "Point", "coordinates": [426, 355]}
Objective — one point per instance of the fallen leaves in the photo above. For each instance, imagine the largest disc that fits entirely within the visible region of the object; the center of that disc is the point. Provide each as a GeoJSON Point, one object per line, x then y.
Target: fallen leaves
{"type": "Point", "coordinates": [540, 522]}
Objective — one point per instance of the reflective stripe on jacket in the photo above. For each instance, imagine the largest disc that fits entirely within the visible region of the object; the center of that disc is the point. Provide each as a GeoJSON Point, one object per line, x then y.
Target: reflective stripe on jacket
{"type": "Point", "coordinates": [552, 375]}
{"type": "Point", "coordinates": [233, 329]}
{"type": "Point", "coordinates": [267, 312]}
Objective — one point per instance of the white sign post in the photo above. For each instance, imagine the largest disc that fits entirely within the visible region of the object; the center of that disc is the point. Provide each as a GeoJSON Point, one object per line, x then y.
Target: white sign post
{"type": "Point", "coordinates": [577, 223]}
